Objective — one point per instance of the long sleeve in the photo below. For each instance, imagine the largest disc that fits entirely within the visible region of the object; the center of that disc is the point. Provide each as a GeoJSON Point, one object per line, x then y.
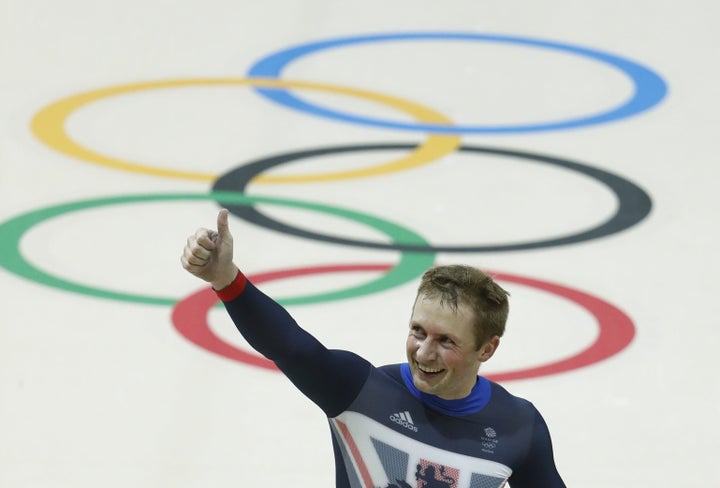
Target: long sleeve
{"type": "Point", "coordinates": [330, 378]}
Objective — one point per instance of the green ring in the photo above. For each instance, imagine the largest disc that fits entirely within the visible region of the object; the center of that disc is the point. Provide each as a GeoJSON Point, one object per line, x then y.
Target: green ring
{"type": "Point", "coordinates": [410, 266]}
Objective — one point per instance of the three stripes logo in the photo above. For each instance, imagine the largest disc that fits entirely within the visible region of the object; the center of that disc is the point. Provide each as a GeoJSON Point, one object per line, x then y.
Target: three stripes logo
{"type": "Point", "coordinates": [404, 419]}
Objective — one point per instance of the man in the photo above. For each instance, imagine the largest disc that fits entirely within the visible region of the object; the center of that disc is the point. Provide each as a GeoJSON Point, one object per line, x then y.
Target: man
{"type": "Point", "coordinates": [430, 422]}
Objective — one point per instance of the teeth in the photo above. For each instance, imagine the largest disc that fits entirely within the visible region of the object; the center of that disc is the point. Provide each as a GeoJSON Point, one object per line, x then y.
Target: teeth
{"type": "Point", "coordinates": [425, 369]}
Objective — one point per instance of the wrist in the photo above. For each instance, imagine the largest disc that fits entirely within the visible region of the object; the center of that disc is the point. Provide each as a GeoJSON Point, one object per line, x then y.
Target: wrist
{"type": "Point", "coordinates": [226, 279]}
{"type": "Point", "coordinates": [229, 291]}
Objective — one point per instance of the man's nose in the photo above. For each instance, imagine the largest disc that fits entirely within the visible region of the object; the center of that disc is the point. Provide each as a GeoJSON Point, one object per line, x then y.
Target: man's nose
{"type": "Point", "coordinates": [426, 350]}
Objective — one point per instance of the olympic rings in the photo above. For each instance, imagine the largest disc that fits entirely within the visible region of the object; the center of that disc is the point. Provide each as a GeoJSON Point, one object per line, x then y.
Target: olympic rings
{"type": "Point", "coordinates": [616, 330]}
{"type": "Point", "coordinates": [416, 254]}
{"type": "Point", "coordinates": [634, 204]}
{"type": "Point", "coordinates": [649, 88]}
{"type": "Point", "coordinates": [409, 267]}
{"type": "Point", "coordinates": [49, 126]}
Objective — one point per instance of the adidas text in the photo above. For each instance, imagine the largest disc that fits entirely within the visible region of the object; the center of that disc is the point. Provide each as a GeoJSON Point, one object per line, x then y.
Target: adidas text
{"type": "Point", "coordinates": [404, 419]}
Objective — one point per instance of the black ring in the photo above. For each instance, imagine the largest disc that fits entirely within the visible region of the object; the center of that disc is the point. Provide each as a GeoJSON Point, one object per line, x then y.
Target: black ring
{"type": "Point", "coordinates": [634, 203]}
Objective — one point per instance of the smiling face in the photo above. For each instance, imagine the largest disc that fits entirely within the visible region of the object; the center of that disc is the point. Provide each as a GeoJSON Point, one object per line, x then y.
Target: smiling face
{"type": "Point", "coordinates": [442, 348]}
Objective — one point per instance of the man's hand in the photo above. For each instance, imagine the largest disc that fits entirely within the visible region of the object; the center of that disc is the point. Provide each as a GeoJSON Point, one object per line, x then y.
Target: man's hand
{"type": "Point", "coordinates": [208, 254]}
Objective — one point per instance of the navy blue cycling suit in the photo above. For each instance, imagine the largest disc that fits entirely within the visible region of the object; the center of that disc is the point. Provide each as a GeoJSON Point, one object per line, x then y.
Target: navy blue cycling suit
{"type": "Point", "coordinates": [385, 432]}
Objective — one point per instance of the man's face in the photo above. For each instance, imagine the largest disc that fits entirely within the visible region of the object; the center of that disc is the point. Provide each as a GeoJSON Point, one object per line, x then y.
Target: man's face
{"type": "Point", "coordinates": [441, 348]}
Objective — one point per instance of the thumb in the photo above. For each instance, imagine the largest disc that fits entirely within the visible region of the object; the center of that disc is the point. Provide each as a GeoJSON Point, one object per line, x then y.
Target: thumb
{"type": "Point", "coordinates": [223, 227]}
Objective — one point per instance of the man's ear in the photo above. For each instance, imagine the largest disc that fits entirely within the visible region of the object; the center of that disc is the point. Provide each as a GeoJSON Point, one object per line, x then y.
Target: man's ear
{"type": "Point", "coordinates": [488, 349]}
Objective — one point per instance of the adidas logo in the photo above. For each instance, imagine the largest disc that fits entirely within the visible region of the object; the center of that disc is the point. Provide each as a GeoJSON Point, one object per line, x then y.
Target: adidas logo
{"type": "Point", "coordinates": [404, 419]}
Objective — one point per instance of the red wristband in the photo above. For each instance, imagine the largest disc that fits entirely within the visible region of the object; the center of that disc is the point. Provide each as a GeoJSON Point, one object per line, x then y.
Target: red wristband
{"type": "Point", "coordinates": [234, 289]}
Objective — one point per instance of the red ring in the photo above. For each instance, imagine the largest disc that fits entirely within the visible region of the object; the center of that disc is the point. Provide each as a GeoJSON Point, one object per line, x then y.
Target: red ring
{"type": "Point", "coordinates": [189, 317]}
{"type": "Point", "coordinates": [616, 331]}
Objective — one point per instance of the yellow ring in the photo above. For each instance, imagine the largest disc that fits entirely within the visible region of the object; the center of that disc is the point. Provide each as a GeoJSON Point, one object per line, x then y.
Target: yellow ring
{"type": "Point", "coordinates": [48, 125]}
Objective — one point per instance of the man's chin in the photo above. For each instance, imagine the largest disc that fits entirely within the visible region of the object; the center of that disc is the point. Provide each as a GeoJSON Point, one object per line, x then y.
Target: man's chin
{"type": "Point", "coordinates": [423, 385]}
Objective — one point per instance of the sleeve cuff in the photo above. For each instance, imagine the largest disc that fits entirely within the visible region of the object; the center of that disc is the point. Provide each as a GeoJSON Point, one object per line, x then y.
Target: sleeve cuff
{"type": "Point", "coordinates": [234, 289]}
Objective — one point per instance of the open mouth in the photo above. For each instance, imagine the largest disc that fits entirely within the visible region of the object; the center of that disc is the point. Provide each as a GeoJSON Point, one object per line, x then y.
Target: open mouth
{"type": "Point", "coordinates": [428, 370]}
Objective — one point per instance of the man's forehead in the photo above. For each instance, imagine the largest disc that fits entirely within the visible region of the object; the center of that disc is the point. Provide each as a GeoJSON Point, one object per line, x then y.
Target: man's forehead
{"type": "Point", "coordinates": [440, 301]}
{"type": "Point", "coordinates": [431, 304]}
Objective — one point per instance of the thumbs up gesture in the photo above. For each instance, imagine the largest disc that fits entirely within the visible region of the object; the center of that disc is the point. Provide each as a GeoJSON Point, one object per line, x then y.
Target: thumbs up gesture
{"type": "Point", "coordinates": [208, 254]}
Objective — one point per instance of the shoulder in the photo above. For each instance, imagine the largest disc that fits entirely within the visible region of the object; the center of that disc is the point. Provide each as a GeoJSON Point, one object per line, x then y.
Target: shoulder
{"type": "Point", "coordinates": [392, 370]}
{"type": "Point", "coordinates": [502, 400]}
{"type": "Point", "coordinates": [501, 393]}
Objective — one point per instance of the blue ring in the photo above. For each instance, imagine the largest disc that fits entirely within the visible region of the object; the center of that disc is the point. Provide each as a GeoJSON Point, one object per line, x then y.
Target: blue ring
{"type": "Point", "coordinates": [650, 88]}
